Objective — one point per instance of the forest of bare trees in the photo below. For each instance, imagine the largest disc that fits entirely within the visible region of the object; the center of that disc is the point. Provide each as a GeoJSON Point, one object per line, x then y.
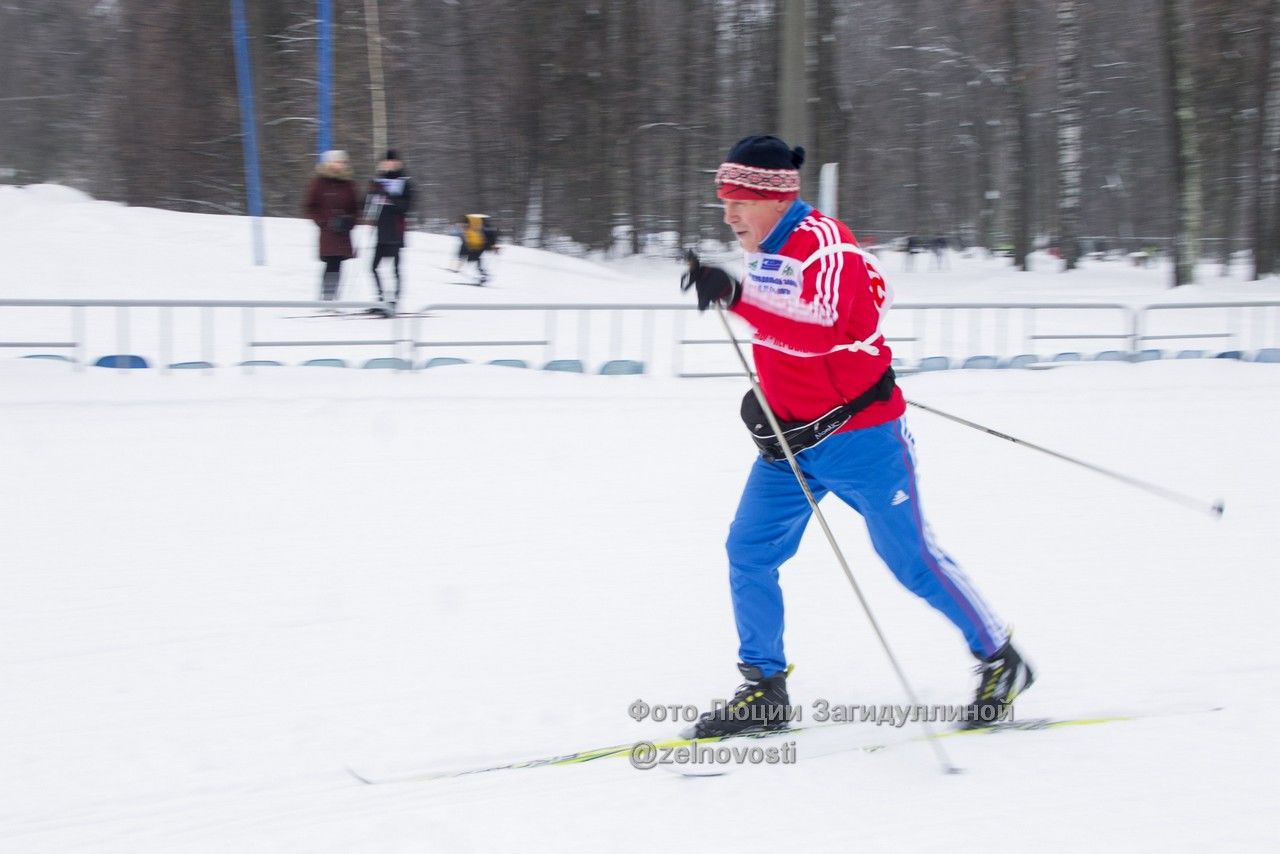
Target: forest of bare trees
{"type": "Point", "coordinates": [1015, 123]}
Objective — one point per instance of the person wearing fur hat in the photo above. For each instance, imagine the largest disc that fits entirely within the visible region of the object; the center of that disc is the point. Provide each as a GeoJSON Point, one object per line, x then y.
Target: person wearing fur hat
{"type": "Point", "coordinates": [387, 205]}
{"type": "Point", "coordinates": [333, 204]}
{"type": "Point", "coordinates": [817, 301]}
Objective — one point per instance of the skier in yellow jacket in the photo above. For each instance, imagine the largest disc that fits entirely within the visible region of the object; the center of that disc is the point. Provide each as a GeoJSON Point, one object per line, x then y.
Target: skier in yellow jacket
{"type": "Point", "coordinates": [477, 237]}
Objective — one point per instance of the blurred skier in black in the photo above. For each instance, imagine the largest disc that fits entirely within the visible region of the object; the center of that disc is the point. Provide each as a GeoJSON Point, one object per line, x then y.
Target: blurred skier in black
{"type": "Point", "coordinates": [389, 200]}
{"type": "Point", "coordinates": [938, 246]}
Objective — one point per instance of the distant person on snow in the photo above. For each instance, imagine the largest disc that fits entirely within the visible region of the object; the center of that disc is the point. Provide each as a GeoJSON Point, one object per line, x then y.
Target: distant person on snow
{"type": "Point", "coordinates": [333, 204]}
{"type": "Point", "coordinates": [477, 237]}
{"type": "Point", "coordinates": [938, 246]}
{"type": "Point", "coordinates": [387, 205]}
{"type": "Point", "coordinates": [913, 245]}
{"type": "Point", "coordinates": [816, 300]}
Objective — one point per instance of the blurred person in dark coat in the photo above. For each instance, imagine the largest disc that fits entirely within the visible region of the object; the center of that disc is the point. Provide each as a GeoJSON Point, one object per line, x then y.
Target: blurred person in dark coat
{"type": "Point", "coordinates": [333, 204]}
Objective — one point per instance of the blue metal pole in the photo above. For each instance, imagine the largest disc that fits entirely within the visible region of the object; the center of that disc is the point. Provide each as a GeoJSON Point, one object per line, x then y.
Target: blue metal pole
{"type": "Point", "coordinates": [325, 83]}
{"type": "Point", "coordinates": [249, 127]}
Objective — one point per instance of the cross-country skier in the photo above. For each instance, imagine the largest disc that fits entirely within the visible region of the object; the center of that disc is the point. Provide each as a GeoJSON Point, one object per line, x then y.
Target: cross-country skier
{"type": "Point", "coordinates": [389, 200]}
{"type": "Point", "coordinates": [816, 301]}
{"type": "Point", "coordinates": [477, 237]}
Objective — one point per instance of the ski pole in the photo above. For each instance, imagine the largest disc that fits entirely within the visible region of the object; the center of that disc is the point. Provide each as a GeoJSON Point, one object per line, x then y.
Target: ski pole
{"type": "Point", "coordinates": [943, 759]}
{"type": "Point", "coordinates": [1215, 509]}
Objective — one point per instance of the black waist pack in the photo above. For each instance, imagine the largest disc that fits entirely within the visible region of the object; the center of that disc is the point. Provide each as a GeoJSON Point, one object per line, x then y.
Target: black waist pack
{"type": "Point", "coordinates": [806, 434]}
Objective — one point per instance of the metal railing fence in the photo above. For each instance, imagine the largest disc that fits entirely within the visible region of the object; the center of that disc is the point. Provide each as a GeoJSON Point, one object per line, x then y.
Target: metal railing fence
{"type": "Point", "coordinates": [668, 337]}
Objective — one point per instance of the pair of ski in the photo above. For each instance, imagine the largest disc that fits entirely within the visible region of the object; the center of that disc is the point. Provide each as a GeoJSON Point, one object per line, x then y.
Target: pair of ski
{"type": "Point", "coordinates": [363, 314]}
{"type": "Point", "coordinates": [875, 746]}
{"type": "Point", "coordinates": [480, 284]}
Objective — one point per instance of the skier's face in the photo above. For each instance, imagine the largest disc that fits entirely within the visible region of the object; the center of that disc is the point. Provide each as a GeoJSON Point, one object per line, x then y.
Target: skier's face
{"type": "Point", "coordinates": [753, 219]}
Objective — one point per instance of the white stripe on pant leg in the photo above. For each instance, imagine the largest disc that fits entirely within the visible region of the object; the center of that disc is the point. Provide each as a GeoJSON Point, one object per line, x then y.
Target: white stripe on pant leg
{"type": "Point", "coordinates": [960, 579]}
{"type": "Point", "coordinates": [990, 622]}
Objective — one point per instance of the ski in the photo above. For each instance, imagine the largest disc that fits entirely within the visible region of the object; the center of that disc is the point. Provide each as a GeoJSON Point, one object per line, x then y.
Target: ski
{"type": "Point", "coordinates": [619, 750]}
{"type": "Point", "coordinates": [326, 314]}
{"type": "Point", "coordinates": [458, 272]}
{"type": "Point", "coordinates": [720, 767]}
{"type": "Point", "coordinates": [355, 315]}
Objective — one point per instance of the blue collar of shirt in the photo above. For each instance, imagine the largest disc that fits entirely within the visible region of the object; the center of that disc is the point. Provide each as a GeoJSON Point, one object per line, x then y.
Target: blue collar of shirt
{"type": "Point", "coordinates": [778, 235]}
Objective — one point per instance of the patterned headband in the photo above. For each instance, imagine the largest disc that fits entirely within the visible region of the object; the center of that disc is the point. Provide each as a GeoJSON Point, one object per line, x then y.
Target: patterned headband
{"type": "Point", "coordinates": [755, 178]}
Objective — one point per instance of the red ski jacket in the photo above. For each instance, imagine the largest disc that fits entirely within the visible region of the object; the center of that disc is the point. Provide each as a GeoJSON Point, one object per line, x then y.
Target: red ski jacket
{"type": "Point", "coordinates": [816, 300]}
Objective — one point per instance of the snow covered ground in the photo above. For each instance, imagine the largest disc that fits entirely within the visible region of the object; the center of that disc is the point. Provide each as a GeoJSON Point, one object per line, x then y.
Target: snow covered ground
{"type": "Point", "coordinates": [219, 591]}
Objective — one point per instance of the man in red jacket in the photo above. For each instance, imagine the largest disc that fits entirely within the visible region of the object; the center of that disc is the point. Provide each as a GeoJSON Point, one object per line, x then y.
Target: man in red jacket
{"type": "Point", "coordinates": [816, 301]}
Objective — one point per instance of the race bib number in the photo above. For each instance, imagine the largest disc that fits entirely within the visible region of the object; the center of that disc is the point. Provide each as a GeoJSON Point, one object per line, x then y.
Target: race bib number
{"type": "Point", "coordinates": [772, 278]}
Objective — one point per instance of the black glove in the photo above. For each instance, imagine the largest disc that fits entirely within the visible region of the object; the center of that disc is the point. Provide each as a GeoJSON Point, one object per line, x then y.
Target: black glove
{"type": "Point", "coordinates": [711, 284]}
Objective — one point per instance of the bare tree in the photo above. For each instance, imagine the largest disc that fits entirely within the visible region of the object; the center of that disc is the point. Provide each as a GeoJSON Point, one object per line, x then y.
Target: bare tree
{"type": "Point", "coordinates": [377, 87]}
{"type": "Point", "coordinates": [566, 120]}
{"type": "Point", "coordinates": [1070, 133]}
{"type": "Point", "coordinates": [1019, 211]}
{"type": "Point", "coordinates": [1265, 85]}
{"type": "Point", "coordinates": [1174, 25]}
{"type": "Point", "coordinates": [831, 116]}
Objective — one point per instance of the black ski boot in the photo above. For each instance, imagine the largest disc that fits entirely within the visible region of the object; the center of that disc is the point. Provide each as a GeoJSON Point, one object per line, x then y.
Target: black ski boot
{"type": "Point", "coordinates": [1002, 676]}
{"type": "Point", "coordinates": [759, 705]}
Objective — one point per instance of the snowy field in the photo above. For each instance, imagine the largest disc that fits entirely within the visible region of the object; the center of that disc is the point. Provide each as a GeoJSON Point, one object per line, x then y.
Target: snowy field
{"type": "Point", "coordinates": [220, 591]}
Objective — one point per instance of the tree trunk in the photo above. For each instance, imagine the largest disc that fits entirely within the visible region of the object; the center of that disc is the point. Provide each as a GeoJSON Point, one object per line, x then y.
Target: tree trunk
{"type": "Point", "coordinates": [470, 48]}
{"type": "Point", "coordinates": [829, 121]}
{"type": "Point", "coordinates": [793, 78]}
{"type": "Point", "coordinates": [1020, 147]}
{"type": "Point", "coordinates": [1070, 133]}
{"type": "Point", "coordinates": [377, 89]}
{"type": "Point", "coordinates": [1229, 182]}
{"type": "Point", "coordinates": [1174, 22]}
{"type": "Point", "coordinates": [685, 181]}
{"type": "Point", "coordinates": [1263, 164]}
{"type": "Point", "coordinates": [913, 91]}
{"type": "Point", "coordinates": [632, 106]}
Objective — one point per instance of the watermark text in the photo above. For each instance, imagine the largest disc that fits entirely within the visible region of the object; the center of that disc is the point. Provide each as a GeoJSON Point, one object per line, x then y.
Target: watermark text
{"type": "Point", "coordinates": [646, 755]}
{"type": "Point", "coordinates": [823, 711]}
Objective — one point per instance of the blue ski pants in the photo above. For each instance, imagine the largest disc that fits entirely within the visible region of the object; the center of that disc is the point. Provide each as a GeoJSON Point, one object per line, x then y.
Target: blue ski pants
{"type": "Point", "coordinates": [872, 470]}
